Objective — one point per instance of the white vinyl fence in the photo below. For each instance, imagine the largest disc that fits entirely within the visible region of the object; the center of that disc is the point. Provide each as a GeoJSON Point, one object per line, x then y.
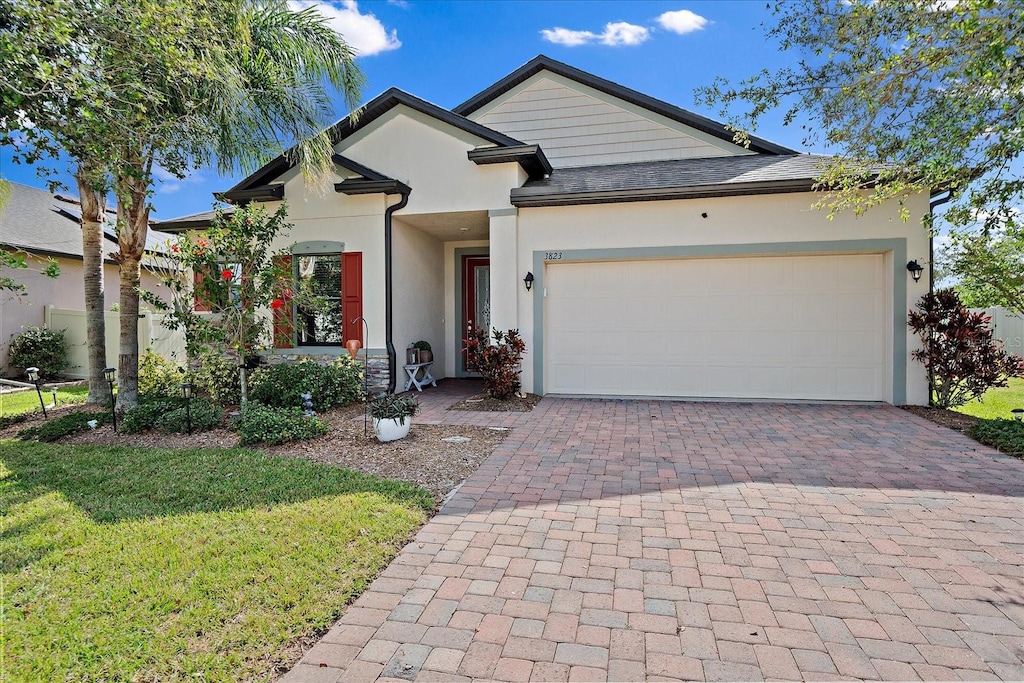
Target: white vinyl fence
{"type": "Point", "coordinates": [1007, 326]}
{"type": "Point", "coordinates": [169, 344]}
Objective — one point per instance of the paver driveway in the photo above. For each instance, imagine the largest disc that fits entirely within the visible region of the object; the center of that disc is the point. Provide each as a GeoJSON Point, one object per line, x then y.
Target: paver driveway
{"type": "Point", "coordinates": [634, 540]}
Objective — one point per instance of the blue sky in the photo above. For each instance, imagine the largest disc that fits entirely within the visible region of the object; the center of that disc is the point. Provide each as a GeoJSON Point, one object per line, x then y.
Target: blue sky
{"type": "Point", "coordinates": [445, 52]}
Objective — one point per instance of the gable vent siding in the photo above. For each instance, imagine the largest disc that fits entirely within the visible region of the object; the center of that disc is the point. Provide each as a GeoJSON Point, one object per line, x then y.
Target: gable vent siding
{"type": "Point", "coordinates": [575, 129]}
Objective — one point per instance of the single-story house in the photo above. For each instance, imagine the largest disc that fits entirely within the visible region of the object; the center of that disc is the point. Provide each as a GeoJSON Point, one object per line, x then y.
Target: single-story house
{"type": "Point", "coordinates": [638, 249]}
{"type": "Point", "coordinates": [44, 225]}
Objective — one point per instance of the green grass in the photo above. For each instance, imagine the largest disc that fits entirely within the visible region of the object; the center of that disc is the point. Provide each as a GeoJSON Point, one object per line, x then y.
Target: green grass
{"type": "Point", "coordinates": [997, 403]}
{"type": "Point", "coordinates": [1004, 435]}
{"type": "Point", "coordinates": [202, 564]}
{"type": "Point", "coordinates": [28, 401]}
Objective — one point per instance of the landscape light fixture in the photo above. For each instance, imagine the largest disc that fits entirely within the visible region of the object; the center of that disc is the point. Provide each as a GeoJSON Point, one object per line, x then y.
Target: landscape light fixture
{"type": "Point", "coordinates": [1018, 414]}
{"type": "Point", "coordinates": [110, 374]}
{"type": "Point", "coordinates": [33, 376]}
{"type": "Point", "coordinates": [915, 269]}
{"type": "Point", "coordinates": [528, 281]}
{"type": "Point", "coordinates": [186, 391]}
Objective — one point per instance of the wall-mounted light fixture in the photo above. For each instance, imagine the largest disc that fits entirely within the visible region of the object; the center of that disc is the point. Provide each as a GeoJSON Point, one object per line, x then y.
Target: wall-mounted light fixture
{"type": "Point", "coordinates": [915, 270]}
{"type": "Point", "coordinates": [528, 281]}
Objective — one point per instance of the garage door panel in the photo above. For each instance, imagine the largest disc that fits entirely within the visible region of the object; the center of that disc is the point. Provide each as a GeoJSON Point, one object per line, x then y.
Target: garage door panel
{"type": "Point", "coordinates": [807, 327]}
{"type": "Point", "coordinates": [859, 382]}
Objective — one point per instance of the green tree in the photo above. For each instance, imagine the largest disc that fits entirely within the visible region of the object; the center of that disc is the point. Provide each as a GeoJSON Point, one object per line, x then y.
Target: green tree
{"type": "Point", "coordinates": [912, 97]}
{"type": "Point", "coordinates": [241, 279]}
{"type": "Point", "coordinates": [49, 94]}
{"type": "Point", "coordinates": [182, 83]}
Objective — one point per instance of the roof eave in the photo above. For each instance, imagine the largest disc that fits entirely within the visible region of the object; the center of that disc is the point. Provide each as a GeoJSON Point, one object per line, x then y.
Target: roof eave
{"type": "Point", "coordinates": [357, 186]}
{"type": "Point", "coordinates": [261, 193]}
{"type": "Point", "coordinates": [530, 157]}
{"type": "Point", "coordinates": [527, 197]}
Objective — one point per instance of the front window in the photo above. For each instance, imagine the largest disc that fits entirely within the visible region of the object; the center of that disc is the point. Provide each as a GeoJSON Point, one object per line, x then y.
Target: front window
{"type": "Point", "coordinates": [319, 276]}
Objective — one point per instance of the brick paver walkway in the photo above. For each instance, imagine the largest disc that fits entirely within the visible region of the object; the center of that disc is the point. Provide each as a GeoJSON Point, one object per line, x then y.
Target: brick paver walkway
{"type": "Point", "coordinates": [632, 540]}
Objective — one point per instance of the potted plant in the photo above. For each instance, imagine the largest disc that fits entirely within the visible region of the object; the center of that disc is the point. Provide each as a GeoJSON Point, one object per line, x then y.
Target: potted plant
{"type": "Point", "coordinates": [426, 355]}
{"type": "Point", "coordinates": [392, 416]}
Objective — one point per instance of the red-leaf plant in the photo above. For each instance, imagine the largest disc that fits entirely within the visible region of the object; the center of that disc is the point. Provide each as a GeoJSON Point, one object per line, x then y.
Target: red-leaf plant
{"type": "Point", "coordinates": [960, 353]}
{"type": "Point", "coordinates": [498, 362]}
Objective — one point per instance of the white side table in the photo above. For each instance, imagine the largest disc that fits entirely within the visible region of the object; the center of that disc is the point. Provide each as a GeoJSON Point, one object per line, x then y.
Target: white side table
{"type": "Point", "coordinates": [414, 371]}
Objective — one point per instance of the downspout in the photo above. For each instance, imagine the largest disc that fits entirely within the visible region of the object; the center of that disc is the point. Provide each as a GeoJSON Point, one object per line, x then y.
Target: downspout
{"type": "Point", "coordinates": [931, 270]}
{"type": "Point", "coordinates": [388, 309]}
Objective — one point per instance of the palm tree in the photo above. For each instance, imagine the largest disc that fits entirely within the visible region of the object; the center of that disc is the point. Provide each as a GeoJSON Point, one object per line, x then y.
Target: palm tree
{"type": "Point", "coordinates": [259, 85]}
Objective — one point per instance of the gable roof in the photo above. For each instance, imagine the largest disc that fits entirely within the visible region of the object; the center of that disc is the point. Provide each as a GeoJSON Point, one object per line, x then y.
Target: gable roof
{"type": "Point", "coordinates": [683, 178]}
{"type": "Point", "coordinates": [544, 63]}
{"type": "Point", "coordinates": [370, 112]}
{"type": "Point", "coordinates": [37, 221]}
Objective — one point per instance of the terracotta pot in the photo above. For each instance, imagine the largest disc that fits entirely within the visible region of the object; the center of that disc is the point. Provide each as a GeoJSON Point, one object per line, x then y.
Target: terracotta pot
{"type": "Point", "coordinates": [426, 356]}
{"type": "Point", "coordinates": [353, 346]}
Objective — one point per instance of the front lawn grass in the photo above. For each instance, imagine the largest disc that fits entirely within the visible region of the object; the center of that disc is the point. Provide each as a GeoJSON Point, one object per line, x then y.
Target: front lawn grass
{"type": "Point", "coordinates": [18, 402]}
{"type": "Point", "coordinates": [997, 403]}
{"type": "Point", "coordinates": [1004, 435]}
{"type": "Point", "coordinates": [199, 564]}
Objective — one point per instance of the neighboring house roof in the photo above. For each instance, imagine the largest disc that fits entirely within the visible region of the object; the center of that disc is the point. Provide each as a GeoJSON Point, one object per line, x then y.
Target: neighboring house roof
{"type": "Point", "coordinates": [544, 63]}
{"type": "Point", "coordinates": [373, 110]}
{"type": "Point", "coordinates": [710, 177]}
{"type": "Point", "coordinates": [37, 221]}
{"type": "Point", "coordinates": [195, 221]}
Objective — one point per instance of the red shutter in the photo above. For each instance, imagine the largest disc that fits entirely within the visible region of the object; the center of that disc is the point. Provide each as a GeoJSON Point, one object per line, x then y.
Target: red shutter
{"type": "Point", "coordinates": [197, 293]}
{"type": "Point", "coordinates": [284, 320]}
{"type": "Point", "coordinates": [352, 295]}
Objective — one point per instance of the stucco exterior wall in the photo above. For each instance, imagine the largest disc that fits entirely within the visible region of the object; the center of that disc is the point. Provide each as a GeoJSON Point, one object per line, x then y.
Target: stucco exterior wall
{"type": "Point", "coordinates": [65, 291]}
{"type": "Point", "coordinates": [430, 157]}
{"type": "Point", "coordinates": [357, 222]}
{"type": "Point", "coordinates": [730, 221]}
{"type": "Point", "coordinates": [419, 294]}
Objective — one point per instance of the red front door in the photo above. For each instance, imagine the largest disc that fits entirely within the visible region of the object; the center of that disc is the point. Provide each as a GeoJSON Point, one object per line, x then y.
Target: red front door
{"type": "Point", "coordinates": [476, 297]}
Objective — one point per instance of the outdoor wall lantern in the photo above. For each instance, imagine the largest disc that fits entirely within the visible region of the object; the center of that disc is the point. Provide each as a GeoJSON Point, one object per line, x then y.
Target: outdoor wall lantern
{"type": "Point", "coordinates": [915, 269]}
{"type": "Point", "coordinates": [186, 391]}
{"type": "Point", "coordinates": [528, 281]}
{"type": "Point", "coordinates": [110, 374]}
{"type": "Point", "coordinates": [33, 376]}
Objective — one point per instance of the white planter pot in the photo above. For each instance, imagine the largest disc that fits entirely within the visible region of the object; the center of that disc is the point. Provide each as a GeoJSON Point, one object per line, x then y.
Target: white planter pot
{"type": "Point", "coordinates": [390, 429]}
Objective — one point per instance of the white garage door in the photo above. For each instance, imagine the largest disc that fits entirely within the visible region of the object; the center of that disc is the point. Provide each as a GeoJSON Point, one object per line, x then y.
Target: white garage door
{"type": "Point", "coordinates": [782, 327]}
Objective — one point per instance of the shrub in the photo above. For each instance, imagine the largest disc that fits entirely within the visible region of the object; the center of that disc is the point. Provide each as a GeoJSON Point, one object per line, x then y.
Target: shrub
{"type": "Point", "coordinates": [261, 423]}
{"type": "Point", "coordinates": [282, 386]}
{"type": "Point", "coordinates": [218, 378]}
{"type": "Point", "coordinates": [41, 348]}
{"type": "Point", "coordinates": [169, 416]}
{"type": "Point", "coordinates": [65, 425]}
{"type": "Point", "coordinates": [1005, 435]}
{"type": "Point", "coordinates": [159, 376]}
{"type": "Point", "coordinates": [498, 363]}
{"type": "Point", "coordinates": [205, 415]}
{"type": "Point", "coordinates": [959, 351]}
{"type": "Point", "coordinates": [393, 407]}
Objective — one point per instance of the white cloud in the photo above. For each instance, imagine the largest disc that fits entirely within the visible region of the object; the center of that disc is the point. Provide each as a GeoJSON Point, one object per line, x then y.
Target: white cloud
{"type": "Point", "coordinates": [364, 32]}
{"type": "Point", "coordinates": [622, 33]}
{"type": "Point", "coordinates": [568, 37]}
{"type": "Point", "coordinates": [615, 34]}
{"type": "Point", "coordinates": [682, 21]}
{"type": "Point", "coordinates": [168, 183]}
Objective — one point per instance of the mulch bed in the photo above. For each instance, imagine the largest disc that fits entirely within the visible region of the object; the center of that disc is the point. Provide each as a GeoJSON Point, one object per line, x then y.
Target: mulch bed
{"type": "Point", "coordinates": [422, 458]}
{"type": "Point", "coordinates": [487, 404]}
{"type": "Point", "coordinates": [943, 416]}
